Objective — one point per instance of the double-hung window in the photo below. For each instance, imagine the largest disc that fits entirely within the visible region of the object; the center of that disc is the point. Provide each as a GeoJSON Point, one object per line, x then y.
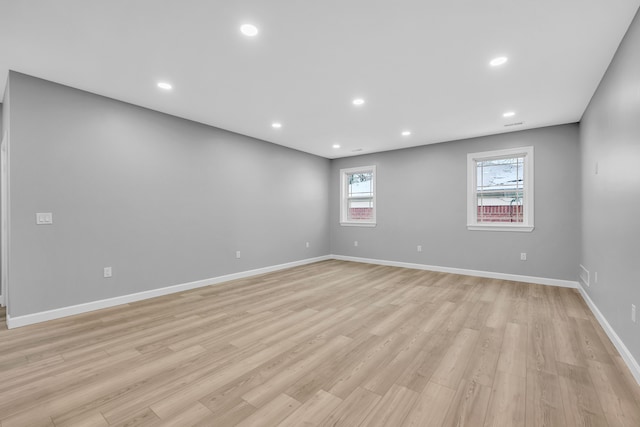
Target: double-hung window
{"type": "Point", "coordinates": [500, 190]}
{"type": "Point", "coordinates": [358, 196]}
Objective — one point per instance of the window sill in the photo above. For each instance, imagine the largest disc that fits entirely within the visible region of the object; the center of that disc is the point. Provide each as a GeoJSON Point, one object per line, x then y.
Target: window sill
{"type": "Point", "coordinates": [501, 227]}
{"type": "Point", "coordinates": [358, 224]}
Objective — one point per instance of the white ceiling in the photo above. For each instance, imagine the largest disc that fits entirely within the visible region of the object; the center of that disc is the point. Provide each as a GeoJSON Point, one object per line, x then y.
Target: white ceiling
{"type": "Point", "coordinates": [421, 65]}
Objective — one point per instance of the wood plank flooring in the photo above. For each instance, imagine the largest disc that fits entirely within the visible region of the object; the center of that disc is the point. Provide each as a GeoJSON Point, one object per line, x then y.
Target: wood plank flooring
{"type": "Point", "coordinates": [327, 344]}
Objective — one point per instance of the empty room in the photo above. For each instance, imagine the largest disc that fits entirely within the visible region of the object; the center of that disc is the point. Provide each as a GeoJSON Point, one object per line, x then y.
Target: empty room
{"type": "Point", "coordinates": [334, 213]}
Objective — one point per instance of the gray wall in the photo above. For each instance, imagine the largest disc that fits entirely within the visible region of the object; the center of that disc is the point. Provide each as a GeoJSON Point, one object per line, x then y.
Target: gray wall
{"type": "Point", "coordinates": [1, 136]}
{"type": "Point", "coordinates": [422, 194]}
{"type": "Point", "coordinates": [610, 137]}
{"type": "Point", "coordinates": [4, 120]}
{"type": "Point", "coordinates": [160, 199]}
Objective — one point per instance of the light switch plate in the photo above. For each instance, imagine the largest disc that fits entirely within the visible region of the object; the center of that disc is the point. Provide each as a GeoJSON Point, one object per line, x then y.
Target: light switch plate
{"type": "Point", "coordinates": [44, 218]}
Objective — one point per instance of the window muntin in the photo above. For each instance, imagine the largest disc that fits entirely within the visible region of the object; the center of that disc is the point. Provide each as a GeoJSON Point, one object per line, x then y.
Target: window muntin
{"type": "Point", "coordinates": [358, 196]}
{"type": "Point", "coordinates": [501, 190]}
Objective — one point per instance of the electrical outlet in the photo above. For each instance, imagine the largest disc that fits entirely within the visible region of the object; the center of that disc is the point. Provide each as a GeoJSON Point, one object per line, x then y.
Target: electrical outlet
{"type": "Point", "coordinates": [633, 313]}
{"type": "Point", "coordinates": [355, 243]}
{"type": "Point", "coordinates": [523, 256]}
{"type": "Point", "coordinates": [307, 244]}
{"type": "Point", "coordinates": [595, 277]}
{"type": "Point", "coordinates": [44, 218]}
{"type": "Point", "coordinates": [419, 248]}
{"type": "Point", "coordinates": [238, 254]}
{"type": "Point", "coordinates": [107, 272]}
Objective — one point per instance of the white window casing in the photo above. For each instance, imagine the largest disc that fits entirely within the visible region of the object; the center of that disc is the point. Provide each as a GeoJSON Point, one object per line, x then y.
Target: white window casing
{"type": "Point", "coordinates": [358, 196]}
{"type": "Point", "coordinates": [521, 187]}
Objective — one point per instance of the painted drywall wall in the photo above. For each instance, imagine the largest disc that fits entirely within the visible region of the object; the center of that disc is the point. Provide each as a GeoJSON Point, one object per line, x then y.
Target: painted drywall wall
{"type": "Point", "coordinates": [610, 142]}
{"type": "Point", "coordinates": [161, 200]}
{"type": "Point", "coordinates": [4, 128]}
{"type": "Point", "coordinates": [1, 136]}
{"type": "Point", "coordinates": [422, 200]}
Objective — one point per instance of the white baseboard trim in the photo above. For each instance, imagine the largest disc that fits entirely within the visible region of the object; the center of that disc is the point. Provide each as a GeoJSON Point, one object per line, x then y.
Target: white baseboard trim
{"type": "Point", "coordinates": [463, 271]}
{"type": "Point", "coordinates": [43, 316]}
{"type": "Point", "coordinates": [29, 319]}
{"type": "Point", "coordinates": [626, 355]}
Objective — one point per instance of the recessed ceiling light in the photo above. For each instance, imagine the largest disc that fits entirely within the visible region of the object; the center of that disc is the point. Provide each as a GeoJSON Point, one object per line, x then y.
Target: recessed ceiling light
{"type": "Point", "coordinates": [336, 145]}
{"type": "Point", "coordinates": [164, 85]}
{"type": "Point", "coordinates": [358, 101]}
{"type": "Point", "coordinates": [498, 61]}
{"type": "Point", "coordinates": [276, 125]}
{"type": "Point", "coordinates": [249, 30]}
{"type": "Point", "coordinates": [406, 133]}
{"type": "Point", "coordinates": [509, 114]}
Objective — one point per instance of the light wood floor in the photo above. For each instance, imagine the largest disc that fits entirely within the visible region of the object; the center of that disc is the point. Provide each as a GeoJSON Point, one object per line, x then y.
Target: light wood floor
{"type": "Point", "coordinates": [332, 343]}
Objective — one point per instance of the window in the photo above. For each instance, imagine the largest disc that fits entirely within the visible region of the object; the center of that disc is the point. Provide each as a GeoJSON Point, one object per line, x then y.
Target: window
{"type": "Point", "coordinates": [500, 190]}
{"type": "Point", "coordinates": [358, 196]}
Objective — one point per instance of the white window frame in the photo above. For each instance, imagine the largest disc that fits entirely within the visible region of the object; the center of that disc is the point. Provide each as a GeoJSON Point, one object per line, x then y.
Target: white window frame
{"type": "Point", "coordinates": [472, 198]}
{"type": "Point", "coordinates": [344, 202]}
